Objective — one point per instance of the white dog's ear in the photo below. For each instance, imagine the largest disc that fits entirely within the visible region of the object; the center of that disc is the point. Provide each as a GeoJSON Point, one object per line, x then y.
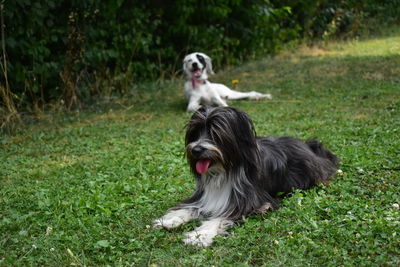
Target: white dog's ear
{"type": "Point", "coordinates": [209, 65]}
{"type": "Point", "coordinates": [209, 68]}
{"type": "Point", "coordinates": [184, 65]}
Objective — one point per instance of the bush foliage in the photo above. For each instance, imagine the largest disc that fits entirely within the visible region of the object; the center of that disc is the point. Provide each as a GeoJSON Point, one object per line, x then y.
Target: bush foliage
{"type": "Point", "coordinates": [73, 50]}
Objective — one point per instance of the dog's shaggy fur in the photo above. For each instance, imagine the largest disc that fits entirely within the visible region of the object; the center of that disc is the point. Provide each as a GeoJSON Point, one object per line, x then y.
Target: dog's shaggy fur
{"type": "Point", "coordinates": [199, 91]}
{"type": "Point", "coordinates": [239, 174]}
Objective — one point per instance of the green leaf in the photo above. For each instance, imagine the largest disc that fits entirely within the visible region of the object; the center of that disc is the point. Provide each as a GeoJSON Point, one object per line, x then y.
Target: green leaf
{"type": "Point", "coordinates": [102, 244]}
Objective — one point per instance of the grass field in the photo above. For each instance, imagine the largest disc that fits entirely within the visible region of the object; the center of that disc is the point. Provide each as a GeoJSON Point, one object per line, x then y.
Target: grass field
{"type": "Point", "coordinates": [83, 190]}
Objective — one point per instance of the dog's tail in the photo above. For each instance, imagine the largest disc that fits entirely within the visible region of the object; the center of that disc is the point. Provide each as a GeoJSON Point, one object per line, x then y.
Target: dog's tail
{"type": "Point", "coordinates": [331, 161]}
{"type": "Point", "coordinates": [319, 150]}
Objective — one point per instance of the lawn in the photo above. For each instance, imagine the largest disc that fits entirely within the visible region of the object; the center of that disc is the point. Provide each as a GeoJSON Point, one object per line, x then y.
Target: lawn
{"type": "Point", "coordinates": [83, 189]}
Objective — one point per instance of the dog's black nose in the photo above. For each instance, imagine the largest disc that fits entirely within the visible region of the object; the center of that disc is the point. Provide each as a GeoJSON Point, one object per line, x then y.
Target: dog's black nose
{"type": "Point", "coordinates": [197, 151]}
{"type": "Point", "coordinates": [195, 66]}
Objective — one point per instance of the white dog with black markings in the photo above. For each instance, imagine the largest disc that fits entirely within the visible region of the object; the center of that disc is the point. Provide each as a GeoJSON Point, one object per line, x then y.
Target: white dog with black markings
{"type": "Point", "coordinates": [200, 92]}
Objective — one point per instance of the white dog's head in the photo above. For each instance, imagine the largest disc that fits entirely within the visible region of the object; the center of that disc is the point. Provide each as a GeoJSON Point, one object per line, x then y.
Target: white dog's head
{"type": "Point", "coordinates": [197, 66]}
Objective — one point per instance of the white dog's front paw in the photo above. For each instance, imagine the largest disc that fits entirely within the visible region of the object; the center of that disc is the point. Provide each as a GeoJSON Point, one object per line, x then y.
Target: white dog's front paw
{"type": "Point", "coordinates": [201, 239]}
{"type": "Point", "coordinates": [257, 96]}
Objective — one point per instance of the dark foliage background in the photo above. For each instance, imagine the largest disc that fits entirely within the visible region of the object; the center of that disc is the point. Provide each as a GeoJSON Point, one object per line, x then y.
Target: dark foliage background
{"type": "Point", "coordinates": [71, 51]}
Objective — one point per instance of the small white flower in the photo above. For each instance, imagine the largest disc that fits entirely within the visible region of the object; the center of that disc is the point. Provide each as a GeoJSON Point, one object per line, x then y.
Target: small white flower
{"type": "Point", "coordinates": [52, 249]}
{"type": "Point", "coordinates": [276, 242]}
{"type": "Point", "coordinates": [395, 206]}
{"type": "Point", "coordinates": [34, 246]}
{"type": "Point", "coordinates": [48, 230]}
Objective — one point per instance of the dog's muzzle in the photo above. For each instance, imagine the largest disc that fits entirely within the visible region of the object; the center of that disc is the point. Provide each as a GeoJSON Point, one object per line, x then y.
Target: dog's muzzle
{"type": "Point", "coordinates": [197, 151]}
{"type": "Point", "coordinates": [196, 71]}
{"type": "Point", "coordinates": [202, 163]}
{"type": "Point", "coordinates": [195, 66]}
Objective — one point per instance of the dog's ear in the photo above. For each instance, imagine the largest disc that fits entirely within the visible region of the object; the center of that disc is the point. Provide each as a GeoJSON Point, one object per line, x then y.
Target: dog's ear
{"type": "Point", "coordinates": [184, 64]}
{"type": "Point", "coordinates": [209, 67]}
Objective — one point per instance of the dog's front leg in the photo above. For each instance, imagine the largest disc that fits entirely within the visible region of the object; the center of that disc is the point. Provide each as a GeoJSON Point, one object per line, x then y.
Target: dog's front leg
{"type": "Point", "coordinates": [194, 104]}
{"type": "Point", "coordinates": [175, 217]}
{"type": "Point", "coordinates": [203, 235]}
{"type": "Point", "coordinates": [217, 100]}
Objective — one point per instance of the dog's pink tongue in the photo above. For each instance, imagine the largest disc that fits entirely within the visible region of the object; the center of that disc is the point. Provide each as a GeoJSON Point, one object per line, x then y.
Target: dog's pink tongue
{"type": "Point", "coordinates": [202, 165]}
{"type": "Point", "coordinates": [196, 74]}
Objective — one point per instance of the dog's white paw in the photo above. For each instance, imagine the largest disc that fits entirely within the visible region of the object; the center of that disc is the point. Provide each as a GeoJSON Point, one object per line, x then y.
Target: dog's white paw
{"type": "Point", "coordinates": [157, 223]}
{"type": "Point", "coordinates": [173, 218]}
{"type": "Point", "coordinates": [257, 96]}
{"type": "Point", "coordinates": [199, 238]}
{"type": "Point", "coordinates": [268, 96]}
{"type": "Point", "coordinates": [168, 223]}
{"type": "Point", "coordinates": [203, 236]}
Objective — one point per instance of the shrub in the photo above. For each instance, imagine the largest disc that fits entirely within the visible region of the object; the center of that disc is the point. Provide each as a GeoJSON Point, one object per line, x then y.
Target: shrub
{"type": "Point", "coordinates": [57, 47]}
{"type": "Point", "coordinates": [74, 50]}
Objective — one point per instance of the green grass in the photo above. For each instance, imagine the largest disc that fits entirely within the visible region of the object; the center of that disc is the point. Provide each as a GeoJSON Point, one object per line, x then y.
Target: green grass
{"type": "Point", "coordinates": [84, 189]}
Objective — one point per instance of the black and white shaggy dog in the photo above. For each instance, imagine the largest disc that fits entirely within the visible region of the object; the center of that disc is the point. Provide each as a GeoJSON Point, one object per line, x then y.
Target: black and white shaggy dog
{"type": "Point", "coordinates": [239, 174]}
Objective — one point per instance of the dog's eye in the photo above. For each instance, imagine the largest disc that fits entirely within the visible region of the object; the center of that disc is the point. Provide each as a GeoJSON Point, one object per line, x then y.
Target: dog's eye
{"type": "Point", "coordinates": [201, 59]}
{"type": "Point", "coordinates": [191, 137]}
